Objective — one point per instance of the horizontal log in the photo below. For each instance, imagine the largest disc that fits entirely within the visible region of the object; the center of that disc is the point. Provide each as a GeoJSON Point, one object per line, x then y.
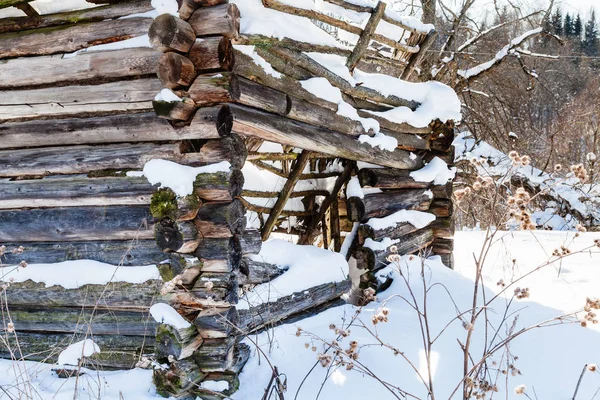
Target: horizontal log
{"type": "Point", "coordinates": [59, 160]}
{"type": "Point", "coordinates": [256, 272]}
{"type": "Point", "coordinates": [31, 318]}
{"type": "Point", "coordinates": [16, 24]}
{"type": "Point", "coordinates": [170, 33]}
{"type": "Point", "coordinates": [76, 224]}
{"type": "Point", "coordinates": [105, 65]}
{"type": "Point", "coordinates": [379, 205]}
{"type": "Point", "coordinates": [74, 192]}
{"type": "Point", "coordinates": [212, 54]}
{"type": "Point", "coordinates": [268, 314]}
{"type": "Point", "coordinates": [374, 260]}
{"type": "Point", "coordinates": [216, 355]}
{"type": "Point", "coordinates": [177, 343]}
{"type": "Point", "coordinates": [125, 96]}
{"type": "Point", "coordinates": [250, 241]}
{"type": "Point", "coordinates": [442, 245]}
{"type": "Point", "coordinates": [179, 378]}
{"type": "Point", "coordinates": [278, 129]}
{"type": "Point", "coordinates": [219, 186]}
{"type": "Point", "coordinates": [395, 231]}
{"type": "Point", "coordinates": [217, 323]}
{"type": "Point", "coordinates": [442, 208]}
{"type": "Point", "coordinates": [117, 296]}
{"type": "Point", "coordinates": [175, 70]}
{"type": "Point", "coordinates": [443, 227]}
{"type": "Point", "coordinates": [388, 178]}
{"type": "Point", "coordinates": [118, 351]}
{"type": "Point", "coordinates": [69, 38]}
{"type": "Point", "coordinates": [174, 110]}
{"type": "Point", "coordinates": [216, 220]}
{"type": "Point", "coordinates": [176, 237]}
{"type": "Point", "coordinates": [219, 20]}
{"type": "Point", "coordinates": [126, 253]}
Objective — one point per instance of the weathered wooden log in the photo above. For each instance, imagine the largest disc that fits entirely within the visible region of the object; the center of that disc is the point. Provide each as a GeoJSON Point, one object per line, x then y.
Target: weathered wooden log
{"type": "Point", "coordinates": [250, 241]}
{"type": "Point", "coordinates": [400, 229]}
{"type": "Point", "coordinates": [268, 314]}
{"type": "Point", "coordinates": [118, 351]}
{"type": "Point", "coordinates": [74, 192]}
{"type": "Point", "coordinates": [393, 126]}
{"type": "Point", "coordinates": [117, 296]}
{"type": "Point", "coordinates": [218, 249]}
{"type": "Point", "coordinates": [125, 253]}
{"type": "Point", "coordinates": [218, 220]}
{"type": "Point", "coordinates": [282, 130]}
{"type": "Point", "coordinates": [216, 355]}
{"type": "Point", "coordinates": [17, 24]}
{"type": "Point", "coordinates": [64, 39]}
{"type": "Point", "coordinates": [31, 318]}
{"type": "Point", "coordinates": [216, 265]}
{"type": "Point", "coordinates": [442, 191]}
{"type": "Point", "coordinates": [219, 20]}
{"type": "Point", "coordinates": [447, 260]}
{"type": "Point", "coordinates": [105, 65]}
{"type": "Point", "coordinates": [388, 178]}
{"type": "Point", "coordinates": [374, 260]}
{"type": "Point", "coordinates": [178, 343]}
{"type": "Point", "coordinates": [124, 96]}
{"type": "Point", "coordinates": [383, 204]}
{"type": "Point", "coordinates": [366, 36]}
{"type": "Point", "coordinates": [174, 110]}
{"type": "Point", "coordinates": [219, 186]}
{"type": "Point", "coordinates": [175, 70]}
{"type": "Point", "coordinates": [443, 227]}
{"type": "Point", "coordinates": [208, 123]}
{"type": "Point", "coordinates": [215, 323]}
{"type": "Point", "coordinates": [178, 379]}
{"type": "Point", "coordinates": [169, 33]}
{"type": "Point", "coordinates": [256, 272]}
{"type": "Point", "coordinates": [442, 208]}
{"type": "Point", "coordinates": [442, 245]}
{"type": "Point", "coordinates": [76, 224]}
{"type": "Point", "coordinates": [212, 54]}
{"type": "Point", "coordinates": [184, 266]}
{"type": "Point", "coordinates": [187, 7]}
{"type": "Point", "coordinates": [176, 237]}
{"type": "Point", "coordinates": [59, 160]}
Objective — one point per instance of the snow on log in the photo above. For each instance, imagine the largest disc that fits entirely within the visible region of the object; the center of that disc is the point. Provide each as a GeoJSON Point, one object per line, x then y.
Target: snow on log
{"type": "Point", "coordinates": [386, 203]}
{"type": "Point", "coordinates": [220, 20]}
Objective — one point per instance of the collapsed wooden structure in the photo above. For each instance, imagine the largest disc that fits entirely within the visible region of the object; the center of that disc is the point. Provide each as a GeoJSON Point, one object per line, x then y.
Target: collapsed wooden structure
{"type": "Point", "coordinates": [73, 124]}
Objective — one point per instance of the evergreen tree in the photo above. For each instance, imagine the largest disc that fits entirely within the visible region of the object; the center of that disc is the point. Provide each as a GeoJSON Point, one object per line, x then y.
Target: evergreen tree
{"type": "Point", "coordinates": [590, 37]}
{"type": "Point", "coordinates": [577, 27]}
{"type": "Point", "coordinates": [568, 26]}
{"type": "Point", "coordinates": [557, 23]}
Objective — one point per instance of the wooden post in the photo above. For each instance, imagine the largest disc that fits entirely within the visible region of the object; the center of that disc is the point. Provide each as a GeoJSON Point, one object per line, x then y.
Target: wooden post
{"type": "Point", "coordinates": [285, 193]}
{"type": "Point", "coordinates": [366, 36]}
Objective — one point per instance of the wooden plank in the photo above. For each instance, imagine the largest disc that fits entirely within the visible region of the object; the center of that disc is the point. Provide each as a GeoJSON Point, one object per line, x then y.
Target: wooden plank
{"type": "Point", "coordinates": [256, 272]}
{"type": "Point", "coordinates": [278, 129]}
{"type": "Point", "coordinates": [125, 252]}
{"type": "Point", "coordinates": [379, 205]}
{"type": "Point", "coordinates": [15, 24]}
{"type": "Point", "coordinates": [66, 39]}
{"type": "Point", "coordinates": [32, 318]}
{"type": "Point", "coordinates": [128, 128]}
{"type": "Point", "coordinates": [75, 192]}
{"type": "Point", "coordinates": [85, 159]}
{"type": "Point", "coordinates": [124, 96]}
{"type": "Point", "coordinates": [286, 191]}
{"type": "Point", "coordinates": [76, 224]}
{"type": "Point", "coordinates": [105, 65]}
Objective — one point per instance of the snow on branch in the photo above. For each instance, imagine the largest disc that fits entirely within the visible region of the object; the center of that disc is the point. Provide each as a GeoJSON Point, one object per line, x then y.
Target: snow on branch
{"type": "Point", "coordinates": [499, 57]}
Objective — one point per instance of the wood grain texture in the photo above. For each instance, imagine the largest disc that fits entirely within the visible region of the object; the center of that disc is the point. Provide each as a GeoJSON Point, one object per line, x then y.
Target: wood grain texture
{"type": "Point", "coordinates": [379, 205]}
{"type": "Point", "coordinates": [219, 20]}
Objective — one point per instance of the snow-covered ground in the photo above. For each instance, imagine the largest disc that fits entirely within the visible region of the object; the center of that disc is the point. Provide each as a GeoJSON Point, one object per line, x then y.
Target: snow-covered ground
{"type": "Point", "coordinates": [550, 359]}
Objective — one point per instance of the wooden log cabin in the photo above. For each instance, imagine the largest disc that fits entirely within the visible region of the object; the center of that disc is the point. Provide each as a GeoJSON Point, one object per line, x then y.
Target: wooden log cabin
{"type": "Point", "coordinates": [314, 115]}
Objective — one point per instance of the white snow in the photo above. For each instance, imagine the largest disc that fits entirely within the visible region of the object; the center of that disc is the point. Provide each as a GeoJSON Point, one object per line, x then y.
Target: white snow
{"type": "Point", "coordinates": [215, 386]}
{"type": "Point", "coordinates": [513, 135]}
{"type": "Point", "coordinates": [353, 188]}
{"type": "Point", "coordinates": [381, 140]}
{"type": "Point", "coordinates": [179, 178]}
{"type": "Point", "coordinates": [436, 172]}
{"type": "Point", "coordinates": [166, 7]}
{"type": "Point", "coordinates": [167, 95]}
{"type": "Point", "coordinates": [381, 245]}
{"type": "Point", "coordinates": [74, 274]}
{"type": "Point", "coordinates": [258, 60]}
{"type": "Point", "coordinates": [138, 41]}
{"type": "Point", "coordinates": [165, 314]}
{"type": "Point", "coordinates": [260, 179]}
{"type": "Point", "coordinates": [72, 354]}
{"type": "Point", "coordinates": [308, 266]}
{"type": "Point", "coordinates": [418, 219]}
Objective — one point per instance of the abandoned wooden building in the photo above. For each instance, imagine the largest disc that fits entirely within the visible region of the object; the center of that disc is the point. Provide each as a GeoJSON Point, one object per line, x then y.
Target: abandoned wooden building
{"type": "Point", "coordinates": [292, 119]}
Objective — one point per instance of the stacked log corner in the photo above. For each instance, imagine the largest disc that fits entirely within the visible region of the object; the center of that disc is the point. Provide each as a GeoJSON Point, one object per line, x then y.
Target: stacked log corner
{"type": "Point", "coordinates": [206, 231]}
{"type": "Point", "coordinates": [399, 191]}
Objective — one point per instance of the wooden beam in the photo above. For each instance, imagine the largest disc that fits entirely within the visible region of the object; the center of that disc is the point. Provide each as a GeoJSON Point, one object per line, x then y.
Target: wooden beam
{"type": "Point", "coordinates": [16, 24]}
{"type": "Point", "coordinates": [365, 37]}
{"type": "Point", "coordinates": [250, 122]}
{"type": "Point", "coordinates": [219, 20]}
{"type": "Point", "coordinates": [383, 204]}
{"type": "Point", "coordinates": [12, 3]}
{"type": "Point", "coordinates": [267, 210]}
{"type": "Point", "coordinates": [66, 39]}
{"type": "Point", "coordinates": [86, 100]}
{"type": "Point", "coordinates": [27, 9]}
{"type": "Point", "coordinates": [212, 54]}
{"type": "Point", "coordinates": [105, 65]}
{"type": "Point", "coordinates": [288, 187]}
{"type": "Point", "coordinates": [170, 33]}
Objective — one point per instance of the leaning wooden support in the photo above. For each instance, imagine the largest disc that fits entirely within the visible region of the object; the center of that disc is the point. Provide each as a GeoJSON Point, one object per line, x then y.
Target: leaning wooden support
{"type": "Point", "coordinates": [365, 37]}
{"type": "Point", "coordinates": [282, 130]}
{"type": "Point", "coordinates": [66, 39]}
{"type": "Point", "coordinates": [383, 204]}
